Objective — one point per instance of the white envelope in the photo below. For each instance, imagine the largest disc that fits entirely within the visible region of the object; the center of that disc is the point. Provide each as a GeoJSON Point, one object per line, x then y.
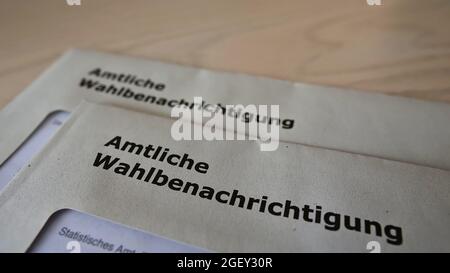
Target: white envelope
{"type": "Point", "coordinates": [388, 127]}
{"type": "Point", "coordinates": [297, 198]}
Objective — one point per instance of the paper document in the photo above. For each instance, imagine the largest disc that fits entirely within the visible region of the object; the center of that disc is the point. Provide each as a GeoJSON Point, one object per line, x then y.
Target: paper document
{"type": "Point", "coordinates": [70, 231]}
{"type": "Point", "coordinates": [221, 195]}
{"type": "Point", "coordinates": [32, 145]}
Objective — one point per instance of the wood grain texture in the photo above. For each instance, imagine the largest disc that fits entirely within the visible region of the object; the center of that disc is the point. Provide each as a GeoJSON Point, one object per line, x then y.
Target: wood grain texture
{"type": "Point", "coordinates": [401, 47]}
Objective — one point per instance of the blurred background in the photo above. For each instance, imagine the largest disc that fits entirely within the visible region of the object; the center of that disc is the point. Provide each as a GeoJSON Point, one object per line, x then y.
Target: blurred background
{"type": "Point", "coordinates": [401, 47]}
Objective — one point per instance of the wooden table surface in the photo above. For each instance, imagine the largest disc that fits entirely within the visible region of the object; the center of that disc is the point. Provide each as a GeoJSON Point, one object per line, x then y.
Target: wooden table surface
{"type": "Point", "coordinates": [401, 47]}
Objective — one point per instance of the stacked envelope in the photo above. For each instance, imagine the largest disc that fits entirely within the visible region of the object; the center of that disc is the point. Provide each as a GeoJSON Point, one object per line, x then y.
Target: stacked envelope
{"type": "Point", "coordinates": [90, 164]}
